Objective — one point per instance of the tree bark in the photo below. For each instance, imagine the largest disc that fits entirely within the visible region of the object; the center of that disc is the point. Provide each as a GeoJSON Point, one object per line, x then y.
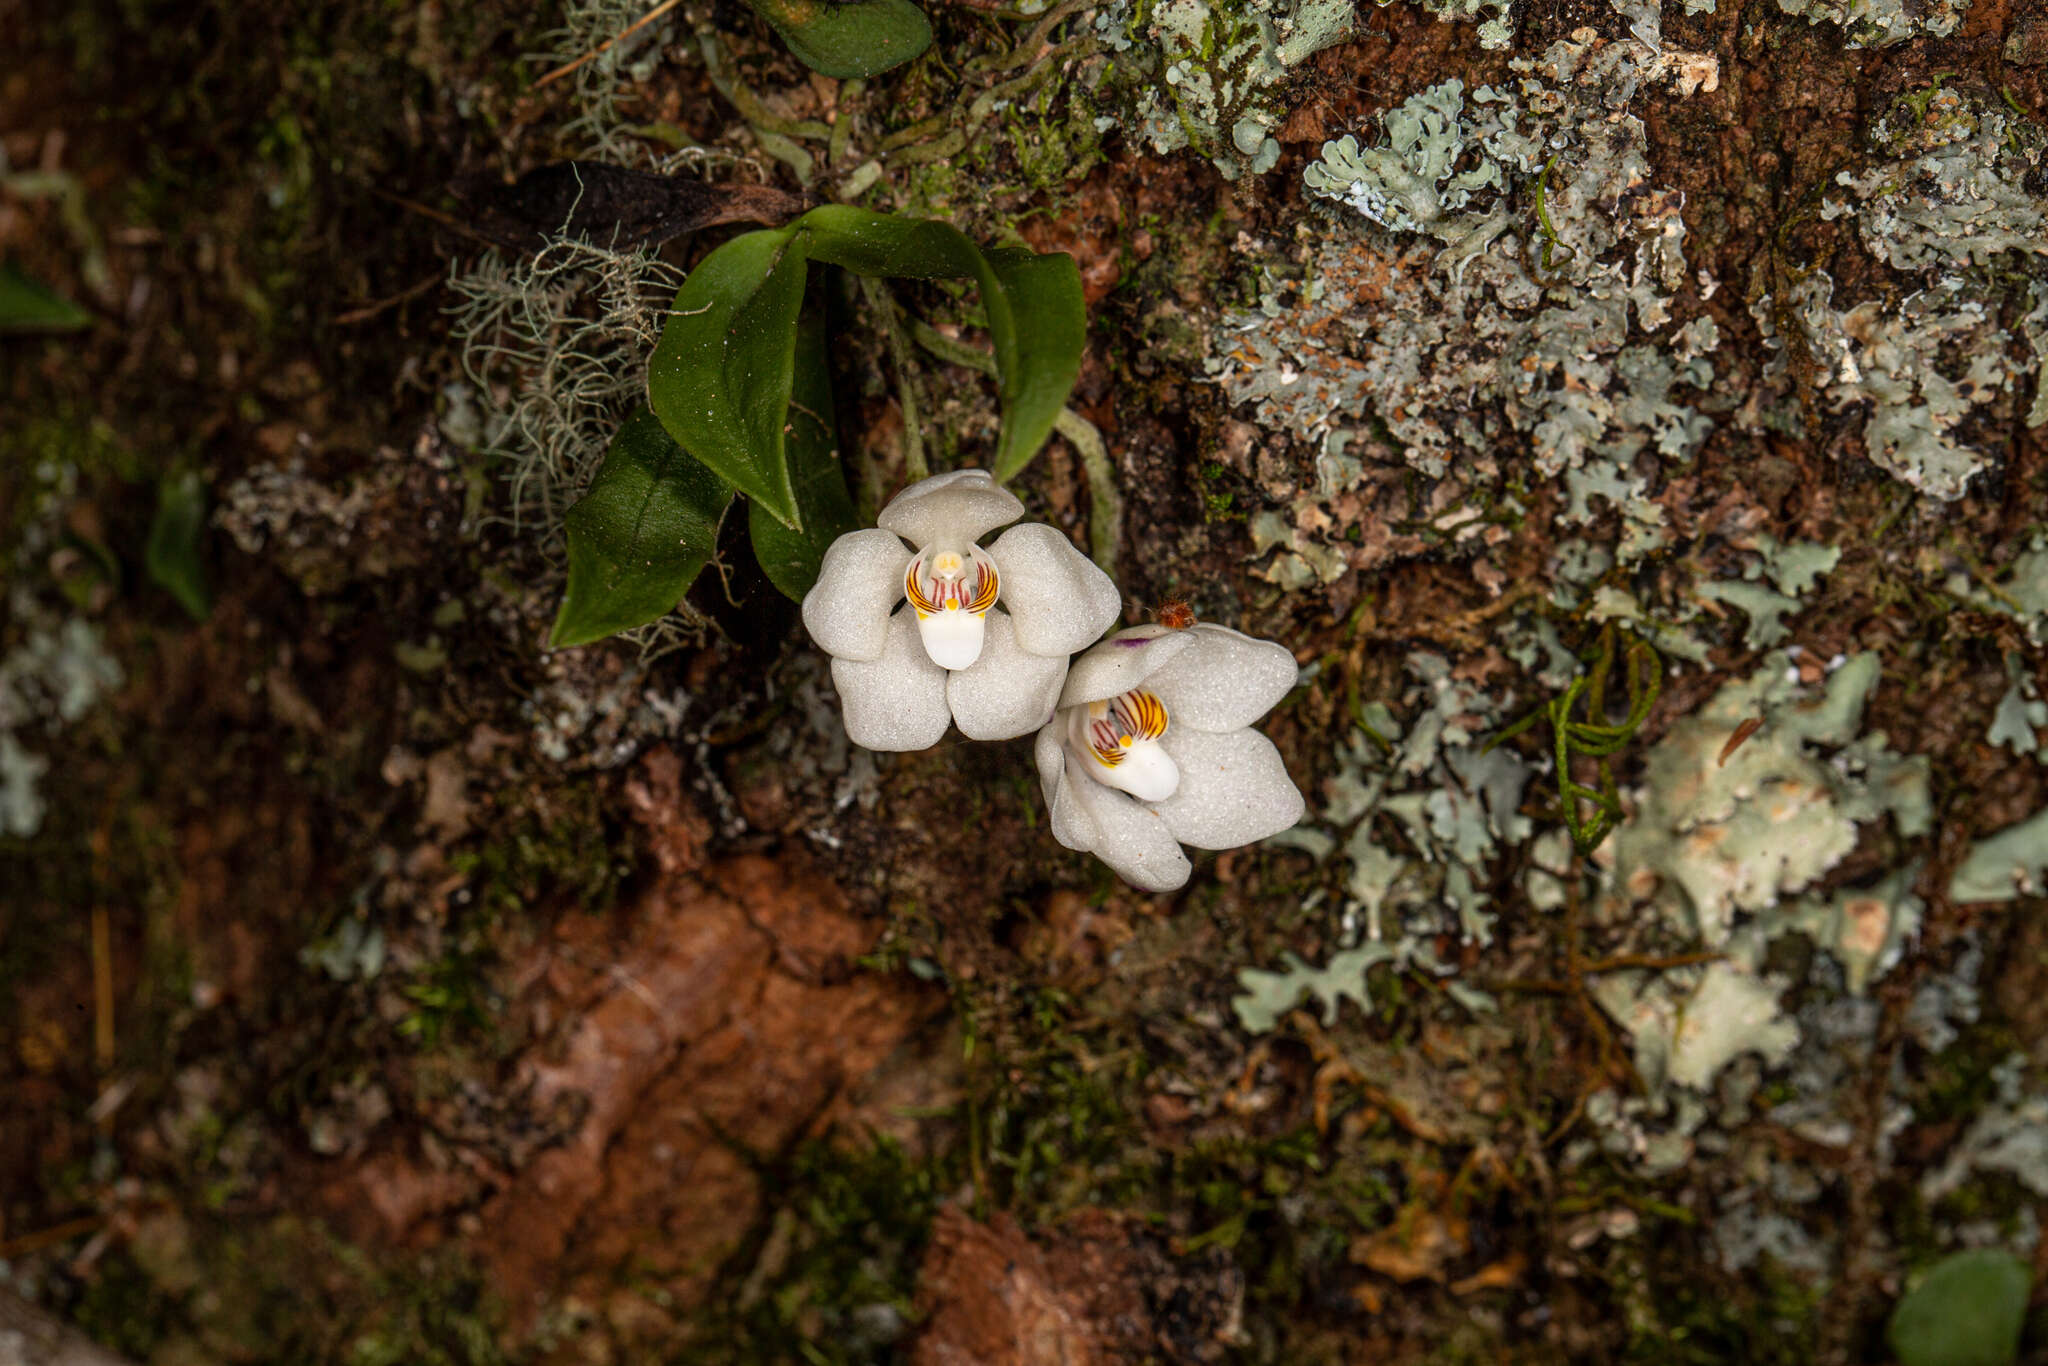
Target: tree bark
{"type": "Point", "coordinates": [31, 1337]}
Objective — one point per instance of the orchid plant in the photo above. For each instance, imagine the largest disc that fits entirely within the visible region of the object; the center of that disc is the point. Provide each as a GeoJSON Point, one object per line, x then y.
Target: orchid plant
{"type": "Point", "coordinates": [739, 402]}
{"type": "Point", "coordinates": [1144, 742]}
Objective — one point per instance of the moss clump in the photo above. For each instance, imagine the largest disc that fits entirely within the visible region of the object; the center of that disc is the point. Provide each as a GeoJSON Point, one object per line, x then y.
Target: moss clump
{"type": "Point", "coordinates": [566, 851]}
{"type": "Point", "coordinates": [185, 1289]}
{"type": "Point", "coordinates": [1205, 74]}
{"type": "Point", "coordinates": [830, 1279]}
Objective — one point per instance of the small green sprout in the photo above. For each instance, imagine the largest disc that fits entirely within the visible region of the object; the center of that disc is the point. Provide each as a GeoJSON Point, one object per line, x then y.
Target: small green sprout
{"type": "Point", "coordinates": [1595, 737]}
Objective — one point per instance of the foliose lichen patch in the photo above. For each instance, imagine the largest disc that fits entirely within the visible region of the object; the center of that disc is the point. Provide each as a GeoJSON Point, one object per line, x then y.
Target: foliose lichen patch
{"type": "Point", "coordinates": [1745, 804]}
{"type": "Point", "coordinates": [1946, 197]}
{"type": "Point", "coordinates": [1206, 74]}
{"type": "Point", "coordinates": [1499, 297]}
{"type": "Point", "coordinates": [59, 671]}
{"type": "Point", "coordinates": [1424, 807]}
{"type": "Point", "coordinates": [1882, 23]}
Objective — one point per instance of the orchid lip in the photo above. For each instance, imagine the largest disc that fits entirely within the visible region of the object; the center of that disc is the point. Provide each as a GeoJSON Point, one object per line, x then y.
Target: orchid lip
{"type": "Point", "coordinates": [951, 592]}
{"type": "Point", "coordinates": [1118, 739]}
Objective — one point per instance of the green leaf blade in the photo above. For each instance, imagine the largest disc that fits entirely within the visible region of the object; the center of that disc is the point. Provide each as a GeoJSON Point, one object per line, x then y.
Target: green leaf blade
{"type": "Point", "coordinates": [172, 556]}
{"type": "Point", "coordinates": [870, 243]}
{"type": "Point", "coordinates": [1969, 1311]}
{"type": "Point", "coordinates": [1044, 330]}
{"type": "Point", "coordinates": [1037, 317]}
{"type": "Point", "coordinates": [27, 306]}
{"type": "Point", "coordinates": [791, 559]}
{"type": "Point", "coordinates": [855, 38]}
{"type": "Point", "coordinates": [640, 536]}
{"type": "Point", "coordinates": [720, 377]}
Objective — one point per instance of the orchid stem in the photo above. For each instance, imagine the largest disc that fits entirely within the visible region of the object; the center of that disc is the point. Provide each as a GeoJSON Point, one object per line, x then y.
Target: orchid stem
{"type": "Point", "coordinates": [877, 293]}
{"type": "Point", "coordinates": [1105, 504]}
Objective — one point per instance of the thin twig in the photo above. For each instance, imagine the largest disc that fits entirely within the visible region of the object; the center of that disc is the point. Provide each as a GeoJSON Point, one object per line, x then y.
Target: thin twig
{"type": "Point", "coordinates": [642, 22]}
{"type": "Point", "coordinates": [444, 219]}
{"type": "Point", "coordinates": [50, 1237]}
{"type": "Point", "coordinates": [369, 311]}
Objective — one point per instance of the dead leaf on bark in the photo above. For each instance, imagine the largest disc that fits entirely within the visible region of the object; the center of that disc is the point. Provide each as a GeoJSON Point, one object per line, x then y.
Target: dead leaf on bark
{"type": "Point", "coordinates": [1416, 1246]}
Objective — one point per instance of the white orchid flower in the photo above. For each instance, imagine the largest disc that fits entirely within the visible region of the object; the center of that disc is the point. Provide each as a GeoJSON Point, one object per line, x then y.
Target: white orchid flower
{"type": "Point", "coordinates": [985, 639]}
{"type": "Point", "coordinates": [1151, 748]}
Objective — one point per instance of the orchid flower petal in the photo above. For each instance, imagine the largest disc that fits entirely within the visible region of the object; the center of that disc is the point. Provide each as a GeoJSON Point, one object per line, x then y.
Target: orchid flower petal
{"type": "Point", "coordinates": [1129, 836]}
{"type": "Point", "coordinates": [1225, 681]}
{"type": "Point", "coordinates": [1007, 691]}
{"type": "Point", "coordinates": [860, 582]}
{"type": "Point", "coordinates": [1233, 790]}
{"type": "Point", "coordinates": [955, 509]}
{"type": "Point", "coordinates": [898, 700]}
{"type": "Point", "coordinates": [1071, 826]}
{"type": "Point", "coordinates": [1059, 600]}
{"type": "Point", "coordinates": [1121, 663]}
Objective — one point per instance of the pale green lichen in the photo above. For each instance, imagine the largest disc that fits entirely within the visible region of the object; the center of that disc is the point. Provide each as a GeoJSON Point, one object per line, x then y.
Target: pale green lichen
{"type": "Point", "coordinates": [1207, 74]}
{"type": "Point", "coordinates": [1732, 817]}
{"type": "Point", "coordinates": [2020, 592]}
{"type": "Point", "coordinates": [1426, 807]}
{"type": "Point", "coordinates": [1668, 633]}
{"type": "Point", "coordinates": [1496, 29]}
{"type": "Point", "coordinates": [2008, 865]}
{"type": "Point", "coordinates": [1865, 930]}
{"type": "Point", "coordinates": [1946, 195]}
{"type": "Point", "coordinates": [1946, 184]}
{"type": "Point", "coordinates": [59, 672]}
{"type": "Point", "coordinates": [2009, 1136]}
{"type": "Point", "coordinates": [1792, 571]}
{"type": "Point", "coordinates": [2021, 712]}
{"type": "Point", "coordinates": [1882, 23]}
{"type": "Point", "coordinates": [1923, 370]}
{"type": "Point", "coordinates": [1268, 996]}
{"type": "Point", "coordinates": [1716, 836]}
{"type": "Point", "coordinates": [1705, 1038]}
{"type": "Point", "coordinates": [1414, 182]}
{"type": "Point", "coordinates": [1506, 290]}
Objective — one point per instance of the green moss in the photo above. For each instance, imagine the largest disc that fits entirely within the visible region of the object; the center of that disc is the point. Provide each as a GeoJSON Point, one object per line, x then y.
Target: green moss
{"type": "Point", "coordinates": [1052, 139]}
{"type": "Point", "coordinates": [1674, 1315]}
{"type": "Point", "coordinates": [1959, 1082]}
{"type": "Point", "coordinates": [284, 1291]}
{"type": "Point", "coordinates": [566, 851]}
{"type": "Point", "coordinates": [830, 1279]}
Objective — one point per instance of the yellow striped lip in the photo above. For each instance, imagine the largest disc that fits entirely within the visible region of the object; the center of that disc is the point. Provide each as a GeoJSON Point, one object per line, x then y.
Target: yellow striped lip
{"type": "Point", "coordinates": [1114, 726]}
{"type": "Point", "coordinates": [943, 585]}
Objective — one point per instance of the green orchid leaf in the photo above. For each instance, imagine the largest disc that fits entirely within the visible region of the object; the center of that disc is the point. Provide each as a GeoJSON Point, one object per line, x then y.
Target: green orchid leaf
{"type": "Point", "coordinates": [720, 377]}
{"type": "Point", "coordinates": [172, 555]}
{"type": "Point", "coordinates": [639, 537]}
{"type": "Point", "coordinates": [1967, 1312]}
{"type": "Point", "coordinates": [26, 306]}
{"type": "Point", "coordinates": [849, 38]}
{"type": "Point", "coordinates": [791, 558]}
{"type": "Point", "coordinates": [1038, 350]}
{"type": "Point", "coordinates": [1036, 316]}
{"type": "Point", "coordinates": [720, 381]}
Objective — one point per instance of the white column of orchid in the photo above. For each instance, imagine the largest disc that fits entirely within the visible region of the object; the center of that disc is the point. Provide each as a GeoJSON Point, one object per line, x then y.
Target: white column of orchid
{"type": "Point", "coordinates": [986, 634]}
